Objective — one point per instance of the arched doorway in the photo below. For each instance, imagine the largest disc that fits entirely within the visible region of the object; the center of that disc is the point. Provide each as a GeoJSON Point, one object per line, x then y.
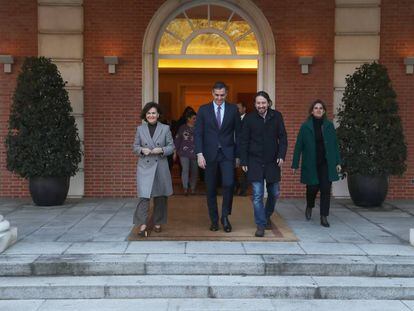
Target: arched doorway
{"type": "Point", "coordinates": [190, 44]}
{"type": "Point", "coordinates": [219, 15]}
{"type": "Point", "coordinates": [199, 32]}
{"type": "Point", "coordinates": [201, 45]}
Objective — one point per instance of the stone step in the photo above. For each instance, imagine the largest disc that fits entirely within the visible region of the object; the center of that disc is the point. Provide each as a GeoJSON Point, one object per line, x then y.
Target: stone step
{"type": "Point", "coordinates": [205, 304]}
{"type": "Point", "coordinates": [200, 286]}
{"type": "Point", "coordinates": [193, 264]}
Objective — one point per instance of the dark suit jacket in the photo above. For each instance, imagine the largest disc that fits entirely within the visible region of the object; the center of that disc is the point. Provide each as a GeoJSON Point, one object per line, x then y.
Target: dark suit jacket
{"type": "Point", "coordinates": [261, 144]}
{"type": "Point", "coordinates": [208, 137]}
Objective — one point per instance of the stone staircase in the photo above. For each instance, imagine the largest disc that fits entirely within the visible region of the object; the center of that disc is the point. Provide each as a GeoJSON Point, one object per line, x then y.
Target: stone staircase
{"type": "Point", "coordinates": [325, 279]}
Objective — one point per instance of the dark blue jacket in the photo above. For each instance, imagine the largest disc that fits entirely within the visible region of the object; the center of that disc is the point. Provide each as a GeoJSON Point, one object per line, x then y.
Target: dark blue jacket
{"type": "Point", "coordinates": [208, 137]}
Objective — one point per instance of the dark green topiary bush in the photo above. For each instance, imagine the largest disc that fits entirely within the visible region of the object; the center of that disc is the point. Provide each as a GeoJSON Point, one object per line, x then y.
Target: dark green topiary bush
{"type": "Point", "coordinates": [43, 139]}
{"type": "Point", "coordinates": [370, 132]}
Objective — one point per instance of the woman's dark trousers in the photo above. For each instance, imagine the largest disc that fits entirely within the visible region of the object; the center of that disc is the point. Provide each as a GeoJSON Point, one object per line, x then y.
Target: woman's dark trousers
{"type": "Point", "coordinates": [324, 187]}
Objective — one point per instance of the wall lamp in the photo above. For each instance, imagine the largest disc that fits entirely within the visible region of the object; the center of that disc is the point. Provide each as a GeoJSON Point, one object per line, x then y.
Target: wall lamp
{"type": "Point", "coordinates": [7, 60]}
{"type": "Point", "coordinates": [111, 61]}
{"type": "Point", "coordinates": [409, 65]}
{"type": "Point", "coordinates": [304, 62]}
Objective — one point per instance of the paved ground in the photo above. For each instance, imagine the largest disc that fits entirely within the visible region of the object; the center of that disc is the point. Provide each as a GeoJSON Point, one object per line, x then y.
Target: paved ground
{"type": "Point", "coordinates": [100, 226]}
{"type": "Point", "coordinates": [109, 220]}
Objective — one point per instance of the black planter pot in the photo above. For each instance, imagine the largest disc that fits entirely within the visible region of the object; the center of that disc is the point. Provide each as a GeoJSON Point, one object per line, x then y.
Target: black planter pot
{"type": "Point", "coordinates": [367, 191]}
{"type": "Point", "coordinates": [48, 191]}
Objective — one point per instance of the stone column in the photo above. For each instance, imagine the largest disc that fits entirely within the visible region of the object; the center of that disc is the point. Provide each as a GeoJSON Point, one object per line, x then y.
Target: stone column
{"type": "Point", "coordinates": [60, 37]}
{"type": "Point", "coordinates": [8, 235]}
{"type": "Point", "coordinates": [357, 23]}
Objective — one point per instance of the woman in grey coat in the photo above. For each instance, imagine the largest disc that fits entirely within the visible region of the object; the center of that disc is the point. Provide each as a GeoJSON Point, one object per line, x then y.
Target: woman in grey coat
{"type": "Point", "coordinates": [153, 143]}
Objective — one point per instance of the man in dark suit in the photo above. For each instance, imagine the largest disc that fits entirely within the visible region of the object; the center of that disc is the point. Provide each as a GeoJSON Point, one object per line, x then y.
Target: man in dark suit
{"type": "Point", "coordinates": [263, 149]}
{"type": "Point", "coordinates": [216, 133]}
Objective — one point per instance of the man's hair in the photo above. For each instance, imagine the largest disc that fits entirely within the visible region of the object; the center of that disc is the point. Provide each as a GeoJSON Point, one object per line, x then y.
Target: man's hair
{"type": "Point", "coordinates": [242, 104]}
{"type": "Point", "coordinates": [220, 85]}
{"type": "Point", "coordinates": [263, 94]}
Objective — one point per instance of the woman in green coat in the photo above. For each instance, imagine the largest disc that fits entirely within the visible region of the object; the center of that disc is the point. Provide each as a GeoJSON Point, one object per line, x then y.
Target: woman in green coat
{"type": "Point", "coordinates": [318, 146]}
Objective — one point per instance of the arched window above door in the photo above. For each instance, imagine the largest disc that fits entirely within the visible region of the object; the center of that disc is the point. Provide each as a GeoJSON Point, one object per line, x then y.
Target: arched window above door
{"type": "Point", "coordinates": [208, 30]}
{"type": "Point", "coordinates": [154, 52]}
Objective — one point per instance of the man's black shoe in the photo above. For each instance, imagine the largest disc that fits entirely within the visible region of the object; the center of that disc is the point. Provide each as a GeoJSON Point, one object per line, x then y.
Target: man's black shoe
{"type": "Point", "coordinates": [214, 227]}
{"type": "Point", "coordinates": [308, 213]}
{"type": "Point", "coordinates": [268, 224]}
{"type": "Point", "coordinates": [226, 224]}
{"type": "Point", "coordinates": [259, 232]}
{"type": "Point", "coordinates": [324, 222]}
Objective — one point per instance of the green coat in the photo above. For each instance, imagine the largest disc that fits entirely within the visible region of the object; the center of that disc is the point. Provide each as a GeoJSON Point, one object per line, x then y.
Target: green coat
{"type": "Point", "coordinates": [306, 146]}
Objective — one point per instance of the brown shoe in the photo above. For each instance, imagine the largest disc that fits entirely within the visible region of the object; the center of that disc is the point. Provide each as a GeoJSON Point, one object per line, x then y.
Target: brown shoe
{"type": "Point", "coordinates": [135, 230]}
{"type": "Point", "coordinates": [137, 233]}
{"type": "Point", "coordinates": [143, 233]}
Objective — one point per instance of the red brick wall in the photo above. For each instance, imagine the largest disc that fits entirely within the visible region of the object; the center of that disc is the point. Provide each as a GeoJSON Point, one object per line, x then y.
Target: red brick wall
{"type": "Point", "coordinates": [18, 37]}
{"type": "Point", "coordinates": [113, 102]}
{"type": "Point", "coordinates": [301, 28]}
{"type": "Point", "coordinates": [397, 42]}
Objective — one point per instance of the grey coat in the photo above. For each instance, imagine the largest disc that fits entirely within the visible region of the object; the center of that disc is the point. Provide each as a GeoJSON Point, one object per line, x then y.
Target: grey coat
{"type": "Point", "coordinates": [153, 173]}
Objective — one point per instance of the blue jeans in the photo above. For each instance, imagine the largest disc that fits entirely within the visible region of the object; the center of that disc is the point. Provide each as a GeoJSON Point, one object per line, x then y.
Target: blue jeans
{"type": "Point", "coordinates": [261, 212]}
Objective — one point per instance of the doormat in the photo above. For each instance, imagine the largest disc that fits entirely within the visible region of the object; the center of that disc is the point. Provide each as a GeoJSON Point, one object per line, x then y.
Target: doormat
{"type": "Point", "coordinates": [188, 221]}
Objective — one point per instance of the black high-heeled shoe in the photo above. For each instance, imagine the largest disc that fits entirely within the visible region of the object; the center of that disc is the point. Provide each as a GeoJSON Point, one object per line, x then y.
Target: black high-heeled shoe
{"type": "Point", "coordinates": [308, 213]}
{"type": "Point", "coordinates": [268, 224]}
{"type": "Point", "coordinates": [324, 222]}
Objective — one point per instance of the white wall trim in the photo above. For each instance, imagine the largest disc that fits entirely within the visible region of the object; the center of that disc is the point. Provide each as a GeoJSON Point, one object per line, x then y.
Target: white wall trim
{"type": "Point", "coordinates": [266, 73]}
{"type": "Point", "coordinates": [347, 60]}
{"type": "Point", "coordinates": [71, 68]}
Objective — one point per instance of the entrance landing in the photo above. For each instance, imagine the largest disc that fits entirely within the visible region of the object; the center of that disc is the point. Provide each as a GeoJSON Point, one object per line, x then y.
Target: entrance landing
{"type": "Point", "coordinates": [188, 221]}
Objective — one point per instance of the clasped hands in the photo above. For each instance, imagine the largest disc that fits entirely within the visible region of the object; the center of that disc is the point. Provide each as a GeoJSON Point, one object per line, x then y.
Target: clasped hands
{"type": "Point", "coordinates": [147, 151]}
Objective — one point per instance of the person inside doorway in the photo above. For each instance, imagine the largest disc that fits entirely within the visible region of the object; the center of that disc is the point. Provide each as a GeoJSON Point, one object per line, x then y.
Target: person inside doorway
{"type": "Point", "coordinates": [184, 144]}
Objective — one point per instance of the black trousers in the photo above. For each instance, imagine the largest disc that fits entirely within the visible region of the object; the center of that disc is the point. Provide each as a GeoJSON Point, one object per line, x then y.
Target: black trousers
{"type": "Point", "coordinates": [226, 168]}
{"type": "Point", "coordinates": [324, 187]}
